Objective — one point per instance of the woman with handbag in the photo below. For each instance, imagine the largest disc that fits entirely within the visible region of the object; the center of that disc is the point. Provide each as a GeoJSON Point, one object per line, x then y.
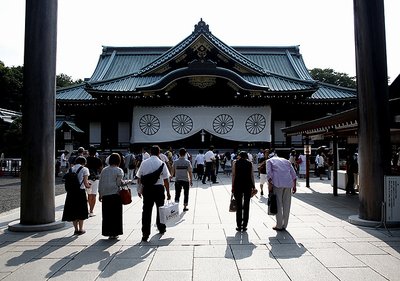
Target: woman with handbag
{"type": "Point", "coordinates": [111, 178]}
{"type": "Point", "coordinates": [242, 188]}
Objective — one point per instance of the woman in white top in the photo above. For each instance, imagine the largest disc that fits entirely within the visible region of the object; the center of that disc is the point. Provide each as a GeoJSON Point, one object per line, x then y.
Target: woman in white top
{"type": "Point", "coordinates": [75, 207]}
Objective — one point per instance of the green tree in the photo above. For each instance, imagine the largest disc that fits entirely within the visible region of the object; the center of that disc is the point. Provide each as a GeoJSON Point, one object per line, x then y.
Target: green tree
{"type": "Point", "coordinates": [11, 85]}
{"type": "Point", "coordinates": [63, 80]}
{"type": "Point", "coordinates": [11, 81]}
{"type": "Point", "coordinates": [330, 76]}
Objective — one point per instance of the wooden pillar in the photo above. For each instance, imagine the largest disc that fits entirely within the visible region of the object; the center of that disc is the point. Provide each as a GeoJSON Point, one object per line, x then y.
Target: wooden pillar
{"type": "Point", "coordinates": [308, 164]}
{"type": "Point", "coordinates": [335, 164]}
{"type": "Point", "coordinates": [38, 155]}
{"type": "Point", "coordinates": [373, 109]}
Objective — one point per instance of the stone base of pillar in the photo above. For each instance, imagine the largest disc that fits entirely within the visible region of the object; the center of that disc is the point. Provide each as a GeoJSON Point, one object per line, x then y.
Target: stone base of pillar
{"type": "Point", "coordinates": [18, 227]}
{"type": "Point", "coordinates": [355, 219]}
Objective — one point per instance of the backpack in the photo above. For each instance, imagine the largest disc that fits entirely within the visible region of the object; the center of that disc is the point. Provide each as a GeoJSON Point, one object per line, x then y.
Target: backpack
{"type": "Point", "coordinates": [151, 178]}
{"type": "Point", "coordinates": [72, 182]}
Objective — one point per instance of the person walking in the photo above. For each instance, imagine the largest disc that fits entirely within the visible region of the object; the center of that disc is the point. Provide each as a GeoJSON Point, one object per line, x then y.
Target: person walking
{"type": "Point", "coordinates": [64, 162]}
{"type": "Point", "coordinates": [209, 158]}
{"type": "Point", "coordinates": [75, 207]}
{"type": "Point", "coordinates": [111, 178]}
{"type": "Point", "coordinates": [182, 169]}
{"type": "Point", "coordinates": [262, 169]}
{"type": "Point", "coordinates": [130, 164]}
{"type": "Point", "coordinates": [228, 164]}
{"type": "Point", "coordinates": [153, 194]}
{"type": "Point", "coordinates": [242, 186]}
{"type": "Point", "coordinates": [95, 165]}
{"type": "Point", "coordinates": [302, 163]}
{"type": "Point", "coordinates": [320, 162]}
{"type": "Point", "coordinates": [199, 164]}
{"type": "Point", "coordinates": [282, 182]}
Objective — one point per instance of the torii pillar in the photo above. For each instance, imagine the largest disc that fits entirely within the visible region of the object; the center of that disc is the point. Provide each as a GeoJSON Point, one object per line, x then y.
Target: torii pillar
{"type": "Point", "coordinates": [38, 118]}
{"type": "Point", "coordinates": [373, 106]}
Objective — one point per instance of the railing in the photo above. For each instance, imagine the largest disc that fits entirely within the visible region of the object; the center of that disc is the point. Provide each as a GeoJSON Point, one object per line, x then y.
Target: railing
{"type": "Point", "coordinates": [10, 167]}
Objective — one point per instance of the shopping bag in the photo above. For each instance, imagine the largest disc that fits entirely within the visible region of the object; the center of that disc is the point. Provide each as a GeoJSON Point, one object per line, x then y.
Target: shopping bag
{"type": "Point", "coordinates": [169, 213]}
{"type": "Point", "coordinates": [232, 204]}
{"type": "Point", "coordinates": [272, 205]}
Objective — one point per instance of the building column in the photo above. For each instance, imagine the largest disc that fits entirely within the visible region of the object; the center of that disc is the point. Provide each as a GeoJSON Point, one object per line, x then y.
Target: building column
{"type": "Point", "coordinates": [373, 109]}
{"type": "Point", "coordinates": [38, 118]}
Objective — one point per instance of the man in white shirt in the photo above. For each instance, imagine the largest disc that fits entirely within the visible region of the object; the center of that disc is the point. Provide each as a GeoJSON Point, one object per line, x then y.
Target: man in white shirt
{"type": "Point", "coordinates": [153, 194]}
{"type": "Point", "coordinates": [209, 157]}
{"type": "Point", "coordinates": [199, 164]}
{"type": "Point", "coordinates": [64, 162]}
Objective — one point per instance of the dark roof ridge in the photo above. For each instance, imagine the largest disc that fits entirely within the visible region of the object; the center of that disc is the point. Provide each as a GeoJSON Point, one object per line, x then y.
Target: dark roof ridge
{"type": "Point", "coordinates": [335, 86]}
{"type": "Point", "coordinates": [202, 29]}
{"type": "Point", "coordinates": [71, 87]}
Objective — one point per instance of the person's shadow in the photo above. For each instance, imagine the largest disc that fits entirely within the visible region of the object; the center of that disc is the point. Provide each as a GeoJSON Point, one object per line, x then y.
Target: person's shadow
{"type": "Point", "coordinates": [239, 246]}
{"type": "Point", "coordinates": [289, 249]}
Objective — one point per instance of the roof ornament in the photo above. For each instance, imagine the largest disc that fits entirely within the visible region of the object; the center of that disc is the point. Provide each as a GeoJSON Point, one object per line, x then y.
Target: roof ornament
{"type": "Point", "coordinates": [201, 26]}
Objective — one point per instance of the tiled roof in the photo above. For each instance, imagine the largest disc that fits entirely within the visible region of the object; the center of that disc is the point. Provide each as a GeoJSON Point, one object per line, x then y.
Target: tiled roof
{"type": "Point", "coordinates": [59, 124]}
{"type": "Point", "coordinates": [75, 93]}
{"type": "Point", "coordinates": [327, 92]}
{"type": "Point", "coordinates": [272, 68]}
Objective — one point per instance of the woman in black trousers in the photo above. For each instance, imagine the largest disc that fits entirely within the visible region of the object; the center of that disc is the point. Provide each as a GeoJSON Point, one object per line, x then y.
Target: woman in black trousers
{"type": "Point", "coordinates": [109, 185]}
{"type": "Point", "coordinates": [242, 186]}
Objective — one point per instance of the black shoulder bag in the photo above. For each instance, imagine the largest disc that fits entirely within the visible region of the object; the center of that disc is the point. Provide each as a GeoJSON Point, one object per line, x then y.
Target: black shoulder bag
{"type": "Point", "coordinates": [151, 178]}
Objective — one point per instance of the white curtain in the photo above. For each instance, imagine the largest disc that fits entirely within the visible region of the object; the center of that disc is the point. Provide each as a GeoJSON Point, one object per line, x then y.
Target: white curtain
{"type": "Point", "coordinates": [169, 123]}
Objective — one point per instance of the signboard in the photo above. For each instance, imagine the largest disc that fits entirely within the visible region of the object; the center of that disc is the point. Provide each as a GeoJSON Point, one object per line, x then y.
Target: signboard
{"type": "Point", "coordinates": [392, 198]}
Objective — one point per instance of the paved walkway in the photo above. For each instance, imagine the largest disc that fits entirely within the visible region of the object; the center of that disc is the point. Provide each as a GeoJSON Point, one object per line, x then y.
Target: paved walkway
{"type": "Point", "coordinates": [319, 243]}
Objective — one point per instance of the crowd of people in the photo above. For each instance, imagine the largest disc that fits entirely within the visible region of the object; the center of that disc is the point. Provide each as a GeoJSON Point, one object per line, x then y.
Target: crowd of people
{"type": "Point", "coordinates": [104, 178]}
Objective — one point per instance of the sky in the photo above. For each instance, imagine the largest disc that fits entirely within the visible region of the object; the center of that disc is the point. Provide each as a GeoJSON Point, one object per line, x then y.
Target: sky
{"type": "Point", "coordinates": [323, 29]}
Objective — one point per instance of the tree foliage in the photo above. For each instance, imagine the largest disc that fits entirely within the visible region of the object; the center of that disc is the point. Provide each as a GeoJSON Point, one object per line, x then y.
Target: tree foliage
{"type": "Point", "coordinates": [330, 76]}
{"type": "Point", "coordinates": [11, 81]}
{"type": "Point", "coordinates": [63, 80]}
{"type": "Point", "coordinates": [11, 96]}
{"type": "Point", "coordinates": [11, 85]}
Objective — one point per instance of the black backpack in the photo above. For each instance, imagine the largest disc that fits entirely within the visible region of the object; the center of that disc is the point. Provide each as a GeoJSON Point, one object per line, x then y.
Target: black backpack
{"type": "Point", "coordinates": [72, 182]}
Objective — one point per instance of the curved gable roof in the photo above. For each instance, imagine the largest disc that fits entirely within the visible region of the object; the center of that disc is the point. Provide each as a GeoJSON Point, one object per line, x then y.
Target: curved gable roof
{"type": "Point", "coordinates": [129, 70]}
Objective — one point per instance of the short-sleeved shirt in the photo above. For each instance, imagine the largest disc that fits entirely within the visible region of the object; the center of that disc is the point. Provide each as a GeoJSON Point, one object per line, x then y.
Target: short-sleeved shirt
{"type": "Point", "coordinates": [110, 180]}
{"type": "Point", "coordinates": [182, 168]}
{"type": "Point", "coordinates": [150, 165]}
{"type": "Point", "coordinates": [281, 171]}
{"type": "Point", "coordinates": [209, 156]}
{"type": "Point", "coordinates": [83, 172]}
{"type": "Point", "coordinates": [199, 160]}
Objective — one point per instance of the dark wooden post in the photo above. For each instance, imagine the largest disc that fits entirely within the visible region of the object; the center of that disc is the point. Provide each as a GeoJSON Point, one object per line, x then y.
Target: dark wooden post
{"type": "Point", "coordinates": [308, 164]}
{"type": "Point", "coordinates": [374, 134]}
{"type": "Point", "coordinates": [38, 117]}
{"type": "Point", "coordinates": [335, 164]}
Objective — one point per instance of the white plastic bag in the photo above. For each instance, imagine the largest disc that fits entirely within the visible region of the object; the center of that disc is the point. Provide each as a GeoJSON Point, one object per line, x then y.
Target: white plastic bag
{"type": "Point", "coordinates": [169, 213]}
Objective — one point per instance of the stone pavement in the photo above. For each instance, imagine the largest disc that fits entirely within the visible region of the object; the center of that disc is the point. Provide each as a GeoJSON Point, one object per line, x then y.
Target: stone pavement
{"type": "Point", "coordinates": [319, 243]}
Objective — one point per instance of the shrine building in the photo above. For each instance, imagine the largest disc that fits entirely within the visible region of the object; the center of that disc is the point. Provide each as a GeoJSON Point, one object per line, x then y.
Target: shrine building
{"type": "Point", "coordinates": [197, 93]}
